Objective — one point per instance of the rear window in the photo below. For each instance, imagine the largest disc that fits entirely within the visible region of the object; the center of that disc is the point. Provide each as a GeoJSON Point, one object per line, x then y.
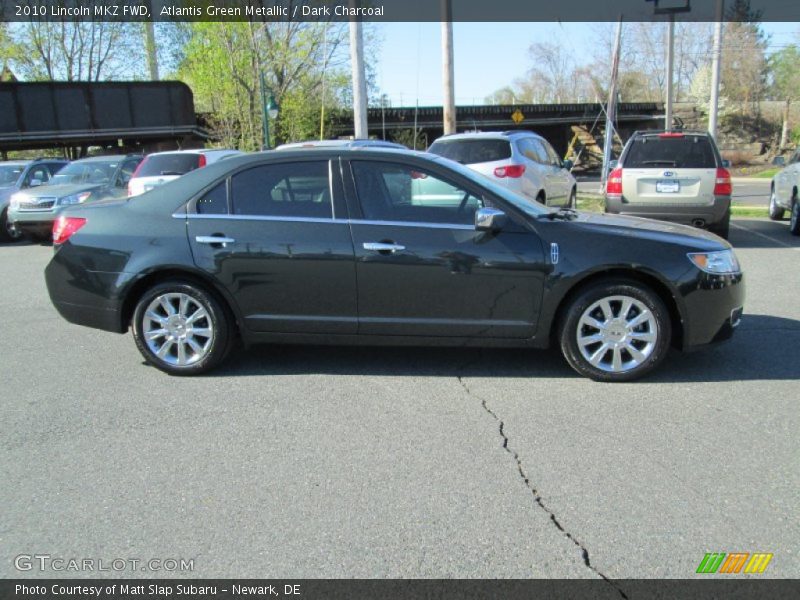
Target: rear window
{"type": "Point", "coordinates": [469, 152]}
{"type": "Point", "coordinates": [688, 152]}
{"type": "Point", "coordinates": [169, 164]}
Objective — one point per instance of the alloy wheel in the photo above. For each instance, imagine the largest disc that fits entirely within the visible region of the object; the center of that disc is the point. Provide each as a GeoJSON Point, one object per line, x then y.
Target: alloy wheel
{"type": "Point", "coordinates": [178, 329]}
{"type": "Point", "coordinates": [617, 334]}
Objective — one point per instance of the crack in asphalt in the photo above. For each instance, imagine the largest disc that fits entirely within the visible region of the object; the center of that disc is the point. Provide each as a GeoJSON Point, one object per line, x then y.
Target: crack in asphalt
{"type": "Point", "coordinates": [536, 495]}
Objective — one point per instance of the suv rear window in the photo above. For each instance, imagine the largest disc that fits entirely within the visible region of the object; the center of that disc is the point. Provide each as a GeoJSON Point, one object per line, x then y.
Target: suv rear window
{"type": "Point", "coordinates": [687, 151]}
{"type": "Point", "coordinates": [469, 152]}
{"type": "Point", "coordinates": [169, 164]}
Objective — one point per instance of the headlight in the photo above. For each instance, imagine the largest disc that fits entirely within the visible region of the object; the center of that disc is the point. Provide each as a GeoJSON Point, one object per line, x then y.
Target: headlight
{"type": "Point", "coordinates": [718, 263]}
{"type": "Point", "coordinates": [74, 199]}
{"type": "Point", "coordinates": [15, 200]}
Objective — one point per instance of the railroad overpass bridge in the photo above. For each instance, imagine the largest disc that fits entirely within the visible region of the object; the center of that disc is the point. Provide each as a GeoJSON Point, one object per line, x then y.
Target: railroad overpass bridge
{"type": "Point", "coordinates": [555, 122]}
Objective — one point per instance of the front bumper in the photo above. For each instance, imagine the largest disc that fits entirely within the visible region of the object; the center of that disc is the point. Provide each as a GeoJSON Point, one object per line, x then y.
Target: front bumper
{"type": "Point", "coordinates": [709, 214]}
{"type": "Point", "coordinates": [714, 305]}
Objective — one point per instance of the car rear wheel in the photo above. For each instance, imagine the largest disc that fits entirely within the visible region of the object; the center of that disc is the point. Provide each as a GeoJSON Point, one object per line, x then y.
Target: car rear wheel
{"type": "Point", "coordinates": [181, 329]}
{"type": "Point", "coordinates": [723, 228]}
{"type": "Point", "coordinates": [775, 211]}
{"type": "Point", "coordinates": [615, 331]}
{"type": "Point", "coordinates": [8, 231]}
{"type": "Point", "coordinates": [794, 221]}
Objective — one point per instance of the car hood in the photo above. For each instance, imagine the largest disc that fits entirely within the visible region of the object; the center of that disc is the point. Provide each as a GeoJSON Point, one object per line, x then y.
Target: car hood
{"type": "Point", "coordinates": [661, 231]}
{"type": "Point", "coordinates": [60, 191]}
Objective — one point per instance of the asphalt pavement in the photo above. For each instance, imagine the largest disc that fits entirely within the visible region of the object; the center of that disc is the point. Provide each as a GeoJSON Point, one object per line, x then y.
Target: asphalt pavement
{"type": "Point", "coordinates": [325, 462]}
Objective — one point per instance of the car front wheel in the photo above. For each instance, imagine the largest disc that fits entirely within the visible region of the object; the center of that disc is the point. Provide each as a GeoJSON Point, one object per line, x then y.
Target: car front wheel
{"type": "Point", "coordinates": [615, 331]}
{"type": "Point", "coordinates": [794, 221]}
{"type": "Point", "coordinates": [775, 211]}
{"type": "Point", "coordinates": [8, 231]}
{"type": "Point", "coordinates": [181, 329]}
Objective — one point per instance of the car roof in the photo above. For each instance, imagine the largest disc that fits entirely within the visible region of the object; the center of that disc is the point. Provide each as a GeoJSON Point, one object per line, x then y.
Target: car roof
{"type": "Point", "coordinates": [486, 135]}
{"type": "Point", "coordinates": [107, 158]}
{"type": "Point", "coordinates": [340, 144]}
{"type": "Point", "coordinates": [195, 151]}
{"type": "Point", "coordinates": [670, 132]}
{"type": "Point", "coordinates": [15, 163]}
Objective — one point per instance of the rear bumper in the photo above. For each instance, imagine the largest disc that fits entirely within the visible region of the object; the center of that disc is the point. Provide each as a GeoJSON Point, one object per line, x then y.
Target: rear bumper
{"type": "Point", "coordinates": [710, 214]}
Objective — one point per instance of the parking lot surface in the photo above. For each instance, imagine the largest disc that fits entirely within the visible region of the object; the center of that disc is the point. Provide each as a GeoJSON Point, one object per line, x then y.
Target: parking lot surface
{"type": "Point", "coordinates": [381, 462]}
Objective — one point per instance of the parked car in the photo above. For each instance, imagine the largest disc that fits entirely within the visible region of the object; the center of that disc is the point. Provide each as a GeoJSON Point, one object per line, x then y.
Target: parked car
{"type": "Point", "coordinates": [343, 246]}
{"type": "Point", "coordinates": [89, 179]}
{"type": "Point", "coordinates": [519, 160]}
{"type": "Point", "coordinates": [341, 144]}
{"type": "Point", "coordinates": [676, 176]}
{"type": "Point", "coordinates": [160, 167]}
{"type": "Point", "coordinates": [783, 192]}
{"type": "Point", "coordinates": [19, 175]}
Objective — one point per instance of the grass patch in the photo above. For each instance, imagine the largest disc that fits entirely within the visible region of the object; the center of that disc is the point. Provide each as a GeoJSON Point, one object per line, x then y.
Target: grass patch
{"type": "Point", "coordinates": [768, 174]}
{"type": "Point", "coordinates": [594, 203]}
{"type": "Point", "coordinates": [748, 211]}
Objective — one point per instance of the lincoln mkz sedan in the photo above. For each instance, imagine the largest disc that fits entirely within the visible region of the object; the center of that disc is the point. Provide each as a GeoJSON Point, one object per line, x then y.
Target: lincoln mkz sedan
{"type": "Point", "coordinates": [377, 246]}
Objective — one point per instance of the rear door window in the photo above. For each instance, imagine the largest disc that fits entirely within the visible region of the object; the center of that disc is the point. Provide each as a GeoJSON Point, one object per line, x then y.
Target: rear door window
{"type": "Point", "coordinates": [169, 164]}
{"type": "Point", "coordinates": [685, 151]}
{"type": "Point", "coordinates": [283, 190]}
{"type": "Point", "coordinates": [470, 152]}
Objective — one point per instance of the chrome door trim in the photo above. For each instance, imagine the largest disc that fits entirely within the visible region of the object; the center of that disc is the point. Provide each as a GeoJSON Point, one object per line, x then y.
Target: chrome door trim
{"type": "Point", "coordinates": [319, 220]}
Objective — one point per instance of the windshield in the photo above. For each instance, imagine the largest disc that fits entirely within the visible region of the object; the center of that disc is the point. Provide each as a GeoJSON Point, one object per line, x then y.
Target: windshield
{"type": "Point", "coordinates": [169, 164]}
{"type": "Point", "coordinates": [470, 152]}
{"type": "Point", "coordinates": [519, 202]}
{"type": "Point", "coordinates": [94, 171]}
{"type": "Point", "coordinates": [9, 174]}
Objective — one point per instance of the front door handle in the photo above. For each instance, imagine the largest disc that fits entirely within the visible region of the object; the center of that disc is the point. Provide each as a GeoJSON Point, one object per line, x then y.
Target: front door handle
{"type": "Point", "coordinates": [384, 247]}
{"type": "Point", "coordinates": [214, 239]}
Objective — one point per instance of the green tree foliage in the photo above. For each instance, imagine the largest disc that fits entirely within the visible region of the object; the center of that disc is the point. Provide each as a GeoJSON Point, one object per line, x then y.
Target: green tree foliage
{"type": "Point", "coordinates": [785, 71]}
{"type": "Point", "coordinates": [303, 65]}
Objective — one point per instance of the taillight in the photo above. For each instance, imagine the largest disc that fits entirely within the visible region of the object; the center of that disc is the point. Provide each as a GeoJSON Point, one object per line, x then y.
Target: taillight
{"type": "Point", "coordinates": [201, 161]}
{"type": "Point", "coordinates": [614, 183]}
{"type": "Point", "coordinates": [64, 227]}
{"type": "Point", "coordinates": [722, 184]}
{"type": "Point", "coordinates": [670, 134]}
{"type": "Point", "coordinates": [136, 174]}
{"type": "Point", "coordinates": [510, 171]}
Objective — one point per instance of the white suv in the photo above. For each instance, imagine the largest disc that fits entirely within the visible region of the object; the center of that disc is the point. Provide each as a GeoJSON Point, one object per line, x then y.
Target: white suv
{"type": "Point", "coordinates": [519, 160]}
{"type": "Point", "coordinates": [784, 193]}
{"type": "Point", "coordinates": [160, 167]}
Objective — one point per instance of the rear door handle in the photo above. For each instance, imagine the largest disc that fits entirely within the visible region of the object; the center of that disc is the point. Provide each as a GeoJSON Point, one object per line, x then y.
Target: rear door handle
{"type": "Point", "coordinates": [383, 247]}
{"type": "Point", "coordinates": [214, 239]}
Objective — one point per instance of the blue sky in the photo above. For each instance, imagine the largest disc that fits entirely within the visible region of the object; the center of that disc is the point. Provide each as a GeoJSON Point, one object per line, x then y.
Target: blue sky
{"type": "Point", "coordinates": [487, 56]}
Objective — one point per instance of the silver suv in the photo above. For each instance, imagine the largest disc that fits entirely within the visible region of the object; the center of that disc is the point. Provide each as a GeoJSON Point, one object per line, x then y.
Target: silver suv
{"type": "Point", "coordinates": [16, 175]}
{"type": "Point", "coordinates": [673, 176]}
{"type": "Point", "coordinates": [519, 160]}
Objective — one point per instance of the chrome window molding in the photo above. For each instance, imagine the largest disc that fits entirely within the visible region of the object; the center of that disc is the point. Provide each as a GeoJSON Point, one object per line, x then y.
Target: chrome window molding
{"type": "Point", "coordinates": [285, 219]}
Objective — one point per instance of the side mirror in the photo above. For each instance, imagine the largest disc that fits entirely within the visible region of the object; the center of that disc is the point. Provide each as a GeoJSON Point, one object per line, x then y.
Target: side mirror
{"type": "Point", "coordinates": [726, 163]}
{"type": "Point", "coordinates": [567, 164]}
{"type": "Point", "coordinates": [779, 161]}
{"type": "Point", "coordinates": [36, 182]}
{"type": "Point", "coordinates": [490, 219]}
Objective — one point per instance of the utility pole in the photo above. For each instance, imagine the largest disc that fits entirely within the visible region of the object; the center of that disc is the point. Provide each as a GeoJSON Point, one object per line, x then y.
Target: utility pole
{"type": "Point", "coordinates": [716, 56]}
{"type": "Point", "coordinates": [150, 47]}
{"type": "Point", "coordinates": [359, 79]}
{"type": "Point", "coordinates": [449, 104]}
{"type": "Point", "coordinates": [611, 107]}
{"type": "Point", "coordinates": [668, 78]}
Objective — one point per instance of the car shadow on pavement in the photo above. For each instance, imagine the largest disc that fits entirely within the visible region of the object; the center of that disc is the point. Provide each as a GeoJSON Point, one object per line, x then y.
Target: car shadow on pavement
{"type": "Point", "coordinates": [759, 350]}
{"type": "Point", "coordinates": [762, 233]}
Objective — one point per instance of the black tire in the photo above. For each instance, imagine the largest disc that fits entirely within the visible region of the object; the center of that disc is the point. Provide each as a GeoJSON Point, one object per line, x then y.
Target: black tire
{"type": "Point", "coordinates": [775, 211]}
{"type": "Point", "coordinates": [216, 320]}
{"type": "Point", "coordinates": [8, 233]}
{"type": "Point", "coordinates": [572, 201]}
{"type": "Point", "coordinates": [541, 199]}
{"type": "Point", "coordinates": [723, 228]}
{"type": "Point", "coordinates": [794, 219]}
{"type": "Point", "coordinates": [618, 291]}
